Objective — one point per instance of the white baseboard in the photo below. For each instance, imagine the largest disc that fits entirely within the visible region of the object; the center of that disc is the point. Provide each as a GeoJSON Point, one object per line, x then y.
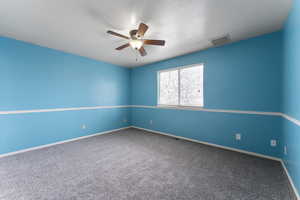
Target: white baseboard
{"type": "Point", "coordinates": [290, 180]}
{"type": "Point", "coordinates": [231, 149]}
{"type": "Point", "coordinates": [166, 134]}
{"type": "Point", "coordinates": [60, 142]}
{"type": "Point", "coordinates": [210, 144]}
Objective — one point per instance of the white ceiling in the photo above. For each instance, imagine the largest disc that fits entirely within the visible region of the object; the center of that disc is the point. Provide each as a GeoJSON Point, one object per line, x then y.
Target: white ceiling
{"type": "Point", "coordinates": [79, 26]}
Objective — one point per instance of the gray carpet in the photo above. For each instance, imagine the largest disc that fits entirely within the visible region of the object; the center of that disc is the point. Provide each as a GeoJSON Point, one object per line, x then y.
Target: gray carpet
{"type": "Point", "coordinates": [133, 164]}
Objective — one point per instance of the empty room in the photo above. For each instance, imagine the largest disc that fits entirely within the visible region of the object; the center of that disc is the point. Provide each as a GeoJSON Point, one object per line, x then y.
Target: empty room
{"type": "Point", "coordinates": [150, 100]}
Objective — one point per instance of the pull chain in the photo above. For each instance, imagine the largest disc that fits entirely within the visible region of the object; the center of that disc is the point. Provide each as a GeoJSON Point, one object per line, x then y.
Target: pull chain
{"type": "Point", "coordinates": [136, 54]}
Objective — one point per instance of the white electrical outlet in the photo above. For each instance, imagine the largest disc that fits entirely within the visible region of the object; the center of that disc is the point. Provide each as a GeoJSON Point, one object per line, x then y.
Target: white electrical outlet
{"type": "Point", "coordinates": [273, 143]}
{"type": "Point", "coordinates": [83, 126]}
{"type": "Point", "coordinates": [238, 136]}
{"type": "Point", "coordinates": [151, 122]}
{"type": "Point", "coordinates": [285, 150]}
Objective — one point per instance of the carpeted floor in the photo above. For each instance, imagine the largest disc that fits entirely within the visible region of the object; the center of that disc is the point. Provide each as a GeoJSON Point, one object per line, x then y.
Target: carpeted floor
{"type": "Point", "coordinates": [138, 165]}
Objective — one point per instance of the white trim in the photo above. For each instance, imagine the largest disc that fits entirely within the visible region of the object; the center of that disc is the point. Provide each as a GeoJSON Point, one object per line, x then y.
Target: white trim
{"type": "Point", "coordinates": [61, 142]}
{"type": "Point", "coordinates": [210, 110]}
{"type": "Point", "coordinates": [290, 180]}
{"type": "Point", "coordinates": [296, 121]}
{"type": "Point", "coordinates": [181, 67]}
{"type": "Point", "coordinates": [248, 112]}
{"type": "Point", "coordinates": [59, 109]}
{"type": "Point", "coordinates": [193, 108]}
{"type": "Point", "coordinates": [210, 144]}
{"type": "Point", "coordinates": [166, 134]}
{"type": "Point", "coordinates": [230, 149]}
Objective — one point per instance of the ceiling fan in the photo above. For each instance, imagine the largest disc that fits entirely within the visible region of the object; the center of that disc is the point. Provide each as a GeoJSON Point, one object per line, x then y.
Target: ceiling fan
{"type": "Point", "coordinates": [136, 39]}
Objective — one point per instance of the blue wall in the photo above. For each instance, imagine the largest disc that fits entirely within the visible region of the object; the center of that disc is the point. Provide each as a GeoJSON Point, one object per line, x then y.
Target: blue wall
{"type": "Point", "coordinates": [216, 128]}
{"type": "Point", "coordinates": [292, 63]}
{"type": "Point", "coordinates": [246, 75]}
{"type": "Point", "coordinates": [33, 77]}
{"type": "Point", "coordinates": [291, 95]}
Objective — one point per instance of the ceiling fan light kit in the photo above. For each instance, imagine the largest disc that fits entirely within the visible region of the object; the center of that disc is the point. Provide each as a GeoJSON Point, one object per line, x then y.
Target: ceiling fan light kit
{"type": "Point", "coordinates": [136, 43]}
{"type": "Point", "coordinates": [136, 40]}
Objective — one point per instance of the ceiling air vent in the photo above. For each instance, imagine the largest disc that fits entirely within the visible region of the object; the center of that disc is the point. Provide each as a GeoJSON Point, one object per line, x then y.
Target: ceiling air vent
{"type": "Point", "coordinates": [221, 40]}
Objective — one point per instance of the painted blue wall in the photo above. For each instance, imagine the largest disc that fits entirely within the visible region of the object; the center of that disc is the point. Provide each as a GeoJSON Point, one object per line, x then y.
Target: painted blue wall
{"type": "Point", "coordinates": [216, 128]}
{"type": "Point", "coordinates": [292, 63]}
{"type": "Point", "coordinates": [291, 95]}
{"type": "Point", "coordinates": [33, 77]}
{"type": "Point", "coordinates": [23, 131]}
{"type": "Point", "coordinates": [291, 138]}
{"type": "Point", "coordinates": [246, 75]}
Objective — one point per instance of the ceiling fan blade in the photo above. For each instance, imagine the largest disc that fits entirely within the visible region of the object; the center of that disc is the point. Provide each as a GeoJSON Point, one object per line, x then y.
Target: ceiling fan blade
{"type": "Point", "coordinates": [155, 42]}
{"type": "Point", "coordinates": [142, 51]}
{"type": "Point", "coordinates": [117, 34]}
{"type": "Point", "coordinates": [142, 29]}
{"type": "Point", "coordinates": [123, 46]}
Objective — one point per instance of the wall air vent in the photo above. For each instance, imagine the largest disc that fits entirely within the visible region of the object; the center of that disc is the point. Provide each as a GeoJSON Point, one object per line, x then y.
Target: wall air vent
{"type": "Point", "coordinates": [221, 40]}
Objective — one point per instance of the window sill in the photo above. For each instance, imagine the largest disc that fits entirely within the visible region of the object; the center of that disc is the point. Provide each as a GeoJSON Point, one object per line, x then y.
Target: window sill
{"type": "Point", "coordinates": [181, 107]}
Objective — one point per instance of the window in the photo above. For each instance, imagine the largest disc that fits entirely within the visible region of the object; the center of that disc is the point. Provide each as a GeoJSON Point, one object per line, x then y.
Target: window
{"type": "Point", "coordinates": [182, 86]}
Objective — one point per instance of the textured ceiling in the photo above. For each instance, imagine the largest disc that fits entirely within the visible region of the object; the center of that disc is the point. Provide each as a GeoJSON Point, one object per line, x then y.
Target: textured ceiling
{"type": "Point", "coordinates": [79, 26]}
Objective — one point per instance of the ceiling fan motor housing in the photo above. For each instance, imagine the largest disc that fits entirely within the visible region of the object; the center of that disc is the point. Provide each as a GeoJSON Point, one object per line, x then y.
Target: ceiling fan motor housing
{"type": "Point", "coordinates": [133, 34]}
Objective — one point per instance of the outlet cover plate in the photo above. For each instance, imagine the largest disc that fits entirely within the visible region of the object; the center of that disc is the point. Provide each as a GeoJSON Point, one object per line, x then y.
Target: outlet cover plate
{"type": "Point", "coordinates": [238, 136]}
{"type": "Point", "coordinates": [273, 143]}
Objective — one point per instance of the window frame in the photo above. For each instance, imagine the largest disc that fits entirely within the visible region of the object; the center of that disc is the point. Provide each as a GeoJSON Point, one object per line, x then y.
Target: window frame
{"type": "Point", "coordinates": [178, 69]}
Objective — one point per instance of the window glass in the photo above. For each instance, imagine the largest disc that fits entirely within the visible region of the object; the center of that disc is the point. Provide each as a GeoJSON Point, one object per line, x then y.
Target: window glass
{"type": "Point", "coordinates": [191, 86]}
{"type": "Point", "coordinates": [168, 92]}
{"type": "Point", "coordinates": [182, 86]}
